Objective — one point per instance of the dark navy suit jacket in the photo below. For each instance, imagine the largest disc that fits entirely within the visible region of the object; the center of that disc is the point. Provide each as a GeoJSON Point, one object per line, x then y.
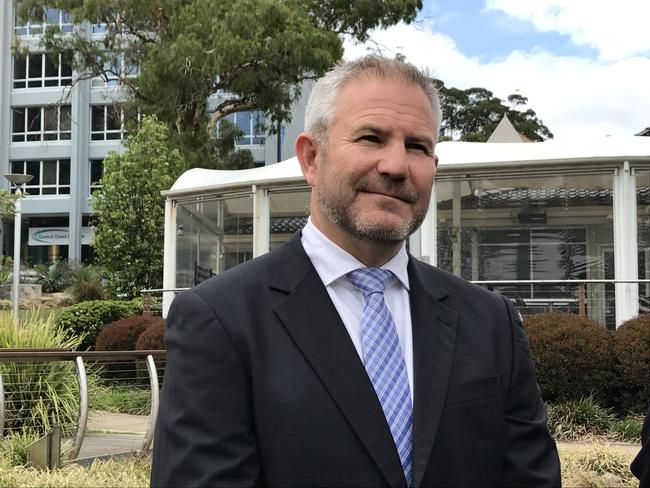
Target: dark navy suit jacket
{"type": "Point", "coordinates": [263, 387]}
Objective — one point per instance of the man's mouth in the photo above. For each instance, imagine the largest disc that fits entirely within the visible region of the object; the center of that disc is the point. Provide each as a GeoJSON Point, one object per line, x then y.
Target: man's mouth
{"type": "Point", "coordinates": [406, 197]}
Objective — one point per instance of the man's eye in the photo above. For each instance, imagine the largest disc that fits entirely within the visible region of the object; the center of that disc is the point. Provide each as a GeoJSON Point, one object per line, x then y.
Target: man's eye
{"type": "Point", "coordinates": [418, 147]}
{"type": "Point", "coordinates": [370, 138]}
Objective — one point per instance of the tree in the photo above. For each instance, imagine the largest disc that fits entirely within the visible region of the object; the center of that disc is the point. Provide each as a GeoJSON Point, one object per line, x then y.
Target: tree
{"type": "Point", "coordinates": [253, 54]}
{"type": "Point", "coordinates": [473, 114]}
{"type": "Point", "coordinates": [130, 209]}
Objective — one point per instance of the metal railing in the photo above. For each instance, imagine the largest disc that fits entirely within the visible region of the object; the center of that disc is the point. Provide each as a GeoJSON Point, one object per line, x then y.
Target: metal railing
{"type": "Point", "coordinates": [595, 299]}
{"type": "Point", "coordinates": [21, 386]}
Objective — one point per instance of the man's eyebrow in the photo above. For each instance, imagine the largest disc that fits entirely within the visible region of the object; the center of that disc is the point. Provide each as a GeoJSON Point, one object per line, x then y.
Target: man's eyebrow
{"type": "Point", "coordinates": [371, 128]}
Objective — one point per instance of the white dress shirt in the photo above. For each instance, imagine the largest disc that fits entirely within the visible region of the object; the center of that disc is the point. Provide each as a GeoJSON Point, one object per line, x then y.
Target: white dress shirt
{"type": "Point", "coordinates": [332, 264]}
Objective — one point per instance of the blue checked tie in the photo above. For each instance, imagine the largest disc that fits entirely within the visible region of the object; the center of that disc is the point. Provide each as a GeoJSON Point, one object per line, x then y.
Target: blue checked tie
{"type": "Point", "coordinates": [384, 362]}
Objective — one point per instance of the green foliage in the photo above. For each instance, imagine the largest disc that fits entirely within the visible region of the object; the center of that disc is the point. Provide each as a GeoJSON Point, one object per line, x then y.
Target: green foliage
{"type": "Point", "coordinates": [153, 337]}
{"type": "Point", "coordinates": [7, 203]}
{"type": "Point", "coordinates": [6, 269]}
{"type": "Point", "coordinates": [632, 347]}
{"type": "Point", "coordinates": [54, 277]}
{"type": "Point", "coordinates": [575, 419]}
{"type": "Point", "coordinates": [87, 284]}
{"type": "Point", "coordinates": [131, 472]}
{"type": "Point", "coordinates": [13, 448]}
{"type": "Point", "coordinates": [86, 319]}
{"type": "Point", "coordinates": [33, 390]}
{"type": "Point", "coordinates": [627, 429]}
{"type": "Point", "coordinates": [128, 242]}
{"type": "Point", "coordinates": [253, 54]}
{"type": "Point", "coordinates": [573, 357]}
{"type": "Point", "coordinates": [473, 114]}
{"type": "Point", "coordinates": [121, 399]}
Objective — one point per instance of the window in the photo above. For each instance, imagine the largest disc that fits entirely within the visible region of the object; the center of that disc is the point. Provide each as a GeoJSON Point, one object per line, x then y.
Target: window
{"type": "Point", "coordinates": [115, 72]}
{"type": "Point", "coordinates": [96, 173]}
{"type": "Point", "coordinates": [51, 17]}
{"type": "Point", "coordinates": [51, 176]}
{"type": "Point", "coordinates": [40, 70]}
{"type": "Point", "coordinates": [51, 123]}
{"type": "Point", "coordinates": [251, 123]}
{"type": "Point", "coordinates": [108, 122]}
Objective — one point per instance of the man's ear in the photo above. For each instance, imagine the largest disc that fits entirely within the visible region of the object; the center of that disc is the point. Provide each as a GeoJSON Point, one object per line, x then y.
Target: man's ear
{"type": "Point", "coordinates": [307, 153]}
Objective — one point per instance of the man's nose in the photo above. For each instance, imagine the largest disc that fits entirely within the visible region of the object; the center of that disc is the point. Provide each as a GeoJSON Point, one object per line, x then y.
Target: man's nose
{"type": "Point", "coordinates": [394, 162]}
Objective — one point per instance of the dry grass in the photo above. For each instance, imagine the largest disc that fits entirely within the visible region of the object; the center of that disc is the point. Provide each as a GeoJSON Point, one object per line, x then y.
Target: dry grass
{"type": "Point", "coordinates": [596, 465]}
{"type": "Point", "coordinates": [583, 466]}
{"type": "Point", "coordinates": [132, 473]}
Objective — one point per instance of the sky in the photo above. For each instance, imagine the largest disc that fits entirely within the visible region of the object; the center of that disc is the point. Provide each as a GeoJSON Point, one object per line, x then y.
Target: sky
{"type": "Point", "coordinates": [584, 65]}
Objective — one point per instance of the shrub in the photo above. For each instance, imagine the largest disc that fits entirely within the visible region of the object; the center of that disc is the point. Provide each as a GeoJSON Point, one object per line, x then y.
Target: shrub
{"type": "Point", "coordinates": [153, 337]}
{"type": "Point", "coordinates": [6, 269]}
{"type": "Point", "coordinates": [33, 390]}
{"type": "Point", "coordinates": [573, 357]}
{"type": "Point", "coordinates": [122, 334]}
{"type": "Point", "coordinates": [54, 277]}
{"type": "Point", "coordinates": [575, 419]}
{"type": "Point", "coordinates": [121, 399]}
{"type": "Point", "coordinates": [86, 319]}
{"type": "Point", "coordinates": [632, 348]}
{"type": "Point", "coordinates": [87, 284]}
{"type": "Point", "coordinates": [595, 466]}
{"type": "Point", "coordinates": [628, 429]}
{"type": "Point", "coordinates": [13, 448]}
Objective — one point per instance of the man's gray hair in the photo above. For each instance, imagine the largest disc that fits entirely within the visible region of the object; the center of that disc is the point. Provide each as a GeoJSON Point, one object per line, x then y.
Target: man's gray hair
{"type": "Point", "coordinates": [320, 107]}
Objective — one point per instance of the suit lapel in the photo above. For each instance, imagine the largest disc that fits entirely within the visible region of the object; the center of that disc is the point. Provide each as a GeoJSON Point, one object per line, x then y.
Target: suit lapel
{"type": "Point", "coordinates": [312, 321]}
{"type": "Point", "coordinates": [434, 333]}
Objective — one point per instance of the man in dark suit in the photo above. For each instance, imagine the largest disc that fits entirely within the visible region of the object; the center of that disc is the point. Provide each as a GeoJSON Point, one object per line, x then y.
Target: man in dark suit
{"type": "Point", "coordinates": [338, 359]}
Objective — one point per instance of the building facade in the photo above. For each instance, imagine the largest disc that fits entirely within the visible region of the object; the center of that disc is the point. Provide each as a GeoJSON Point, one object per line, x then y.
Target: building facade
{"type": "Point", "coordinates": [59, 131]}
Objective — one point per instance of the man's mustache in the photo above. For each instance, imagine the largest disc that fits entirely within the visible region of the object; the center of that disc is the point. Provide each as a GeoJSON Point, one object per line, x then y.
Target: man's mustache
{"type": "Point", "coordinates": [388, 186]}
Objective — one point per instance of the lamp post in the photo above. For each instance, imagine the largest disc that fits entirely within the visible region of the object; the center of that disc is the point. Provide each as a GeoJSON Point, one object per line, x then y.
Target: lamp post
{"type": "Point", "coordinates": [19, 181]}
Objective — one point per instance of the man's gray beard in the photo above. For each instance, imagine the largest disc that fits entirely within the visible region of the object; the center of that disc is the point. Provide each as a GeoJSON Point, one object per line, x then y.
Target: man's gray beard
{"type": "Point", "coordinates": [341, 216]}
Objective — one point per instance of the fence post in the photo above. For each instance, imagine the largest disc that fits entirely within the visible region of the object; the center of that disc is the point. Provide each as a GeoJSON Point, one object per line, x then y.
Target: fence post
{"type": "Point", "coordinates": [2, 407]}
{"type": "Point", "coordinates": [153, 414]}
{"type": "Point", "coordinates": [83, 407]}
{"type": "Point", "coordinates": [146, 304]}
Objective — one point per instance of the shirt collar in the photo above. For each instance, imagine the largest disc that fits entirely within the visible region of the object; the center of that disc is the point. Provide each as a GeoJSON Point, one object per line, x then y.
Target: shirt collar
{"type": "Point", "coordinates": [333, 262]}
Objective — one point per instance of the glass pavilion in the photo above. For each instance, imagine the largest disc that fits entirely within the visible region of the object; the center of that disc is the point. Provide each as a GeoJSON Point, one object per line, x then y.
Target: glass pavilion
{"type": "Point", "coordinates": [560, 226]}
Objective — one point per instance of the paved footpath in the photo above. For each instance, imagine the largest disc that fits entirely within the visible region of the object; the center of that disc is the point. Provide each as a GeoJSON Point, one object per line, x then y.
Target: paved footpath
{"type": "Point", "coordinates": [113, 433]}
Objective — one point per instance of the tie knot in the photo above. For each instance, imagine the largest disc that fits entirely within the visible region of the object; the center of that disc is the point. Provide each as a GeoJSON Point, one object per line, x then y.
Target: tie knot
{"type": "Point", "coordinates": [370, 280]}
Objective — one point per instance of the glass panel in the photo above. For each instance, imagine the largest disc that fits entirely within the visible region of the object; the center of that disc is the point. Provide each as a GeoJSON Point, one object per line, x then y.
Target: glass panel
{"type": "Point", "coordinates": [18, 120]}
{"type": "Point", "coordinates": [65, 118]}
{"type": "Point", "coordinates": [643, 236]}
{"type": "Point", "coordinates": [36, 66]}
{"type": "Point", "coordinates": [49, 172]}
{"type": "Point", "coordinates": [530, 228]}
{"type": "Point", "coordinates": [112, 118]}
{"type": "Point", "coordinates": [18, 167]}
{"type": "Point", "coordinates": [289, 212]}
{"type": "Point", "coordinates": [34, 119]}
{"type": "Point", "coordinates": [97, 117]}
{"type": "Point", "coordinates": [34, 169]}
{"type": "Point", "coordinates": [49, 191]}
{"type": "Point", "coordinates": [211, 237]}
{"type": "Point", "coordinates": [51, 68]}
{"type": "Point", "coordinates": [20, 67]}
{"type": "Point", "coordinates": [51, 118]}
{"type": "Point", "coordinates": [64, 172]}
{"type": "Point", "coordinates": [96, 170]}
{"type": "Point", "coordinates": [244, 122]}
{"type": "Point", "coordinates": [52, 15]}
{"type": "Point", "coordinates": [66, 65]}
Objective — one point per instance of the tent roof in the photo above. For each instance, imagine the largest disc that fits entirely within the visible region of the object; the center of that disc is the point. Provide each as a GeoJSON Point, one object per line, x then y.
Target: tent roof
{"type": "Point", "coordinates": [452, 155]}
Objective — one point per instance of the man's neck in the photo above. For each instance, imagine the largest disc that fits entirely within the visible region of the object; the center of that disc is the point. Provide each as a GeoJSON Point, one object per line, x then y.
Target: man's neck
{"type": "Point", "coordinates": [371, 253]}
